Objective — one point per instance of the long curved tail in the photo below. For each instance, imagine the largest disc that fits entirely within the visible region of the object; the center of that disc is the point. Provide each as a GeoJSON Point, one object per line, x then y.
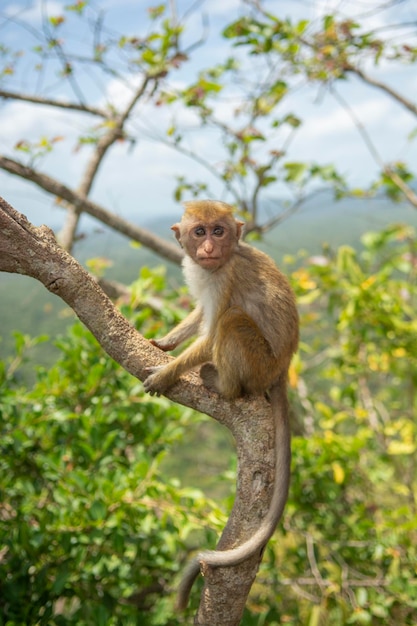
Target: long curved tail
{"type": "Point", "coordinates": [234, 556]}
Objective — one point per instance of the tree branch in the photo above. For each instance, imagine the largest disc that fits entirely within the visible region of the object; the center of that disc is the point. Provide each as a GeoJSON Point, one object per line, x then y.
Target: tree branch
{"type": "Point", "coordinates": [384, 87]}
{"type": "Point", "coordinates": [105, 142]}
{"type": "Point", "coordinates": [26, 249]}
{"type": "Point", "coordinates": [388, 171]}
{"type": "Point", "coordinates": [401, 184]}
{"type": "Point", "coordinates": [108, 139]}
{"type": "Point", "coordinates": [59, 104]}
{"type": "Point", "coordinates": [162, 247]}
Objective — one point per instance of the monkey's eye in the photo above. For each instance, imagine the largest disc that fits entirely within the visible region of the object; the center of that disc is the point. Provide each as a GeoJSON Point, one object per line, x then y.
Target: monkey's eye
{"type": "Point", "coordinates": [199, 231]}
{"type": "Point", "coordinates": [218, 231]}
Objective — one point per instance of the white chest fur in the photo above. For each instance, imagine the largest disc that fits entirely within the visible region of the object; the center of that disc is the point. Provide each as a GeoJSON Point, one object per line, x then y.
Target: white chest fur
{"type": "Point", "coordinates": [205, 287]}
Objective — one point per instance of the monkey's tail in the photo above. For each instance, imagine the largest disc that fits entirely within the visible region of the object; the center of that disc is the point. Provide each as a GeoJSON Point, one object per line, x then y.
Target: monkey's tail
{"type": "Point", "coordinates": [234, 556]}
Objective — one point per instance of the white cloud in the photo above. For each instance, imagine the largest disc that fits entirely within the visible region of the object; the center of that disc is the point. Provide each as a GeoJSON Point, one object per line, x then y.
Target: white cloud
{"type": "Point", "coordinates": [222, 7]}
{"type": "Point", "coordinates": [23, 120]}
{"type": "Point", "coordinates": [336, 122]}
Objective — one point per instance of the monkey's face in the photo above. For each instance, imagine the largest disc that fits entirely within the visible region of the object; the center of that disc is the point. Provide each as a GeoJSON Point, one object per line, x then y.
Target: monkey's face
{"type": "Point", "coordinates": [209, 244]}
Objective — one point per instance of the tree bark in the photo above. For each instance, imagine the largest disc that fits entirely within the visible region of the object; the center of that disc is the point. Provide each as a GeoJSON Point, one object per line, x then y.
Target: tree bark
{"type": "Point", "coordinates": [33, 251]}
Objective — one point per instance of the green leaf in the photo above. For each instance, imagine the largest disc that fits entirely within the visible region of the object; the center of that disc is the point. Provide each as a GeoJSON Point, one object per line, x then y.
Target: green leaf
{"type": "Point", "coordinates": [295, 171]}
{"type": "Point", "coordinates": [156, 11]}
{"type": "Point", "coordinates": [328, 21]}
{"type": "Point", "coordinates": [77, 7]}
{"type": "Point", "coordinates": [57, 20]}
{"type": "Point", "coordinates": [301, 26]}
{"type": "Point", "coordinates": [98, 510]}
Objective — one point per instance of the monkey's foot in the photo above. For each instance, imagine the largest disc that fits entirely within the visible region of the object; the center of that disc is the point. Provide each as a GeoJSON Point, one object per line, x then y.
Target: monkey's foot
{"type": "Point", "coordinates": [155, 384]}
{"type": "Point", "coordinates": [209, 376]}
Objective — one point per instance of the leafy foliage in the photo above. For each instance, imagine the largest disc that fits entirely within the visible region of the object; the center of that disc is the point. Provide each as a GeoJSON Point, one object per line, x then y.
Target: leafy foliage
{"type": "Point", "coordinates": [90, 532]}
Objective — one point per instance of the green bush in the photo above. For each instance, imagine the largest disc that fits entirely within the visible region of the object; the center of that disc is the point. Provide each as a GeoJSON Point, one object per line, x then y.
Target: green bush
{"type": "Point", "coordinates": [90, 532]}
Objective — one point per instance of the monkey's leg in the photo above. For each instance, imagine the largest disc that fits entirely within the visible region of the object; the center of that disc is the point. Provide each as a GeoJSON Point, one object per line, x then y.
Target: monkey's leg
{"type": "Point", "coordinates": [164, 377]}
{"type": "Point", "coordinates": [243, 357]}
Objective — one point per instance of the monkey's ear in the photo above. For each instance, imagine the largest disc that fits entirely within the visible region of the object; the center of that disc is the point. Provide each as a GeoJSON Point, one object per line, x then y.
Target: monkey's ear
{"type": "Point", "coordinates": [177, 232]}
{"type": "Point", "coordinates": [239, 226]}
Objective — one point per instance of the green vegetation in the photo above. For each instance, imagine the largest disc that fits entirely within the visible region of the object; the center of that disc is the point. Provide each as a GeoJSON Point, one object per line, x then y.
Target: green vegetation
{"type": "Point", "coordinates": [90, 532]}
{"type": "Point", "coordinates": [94, 524]}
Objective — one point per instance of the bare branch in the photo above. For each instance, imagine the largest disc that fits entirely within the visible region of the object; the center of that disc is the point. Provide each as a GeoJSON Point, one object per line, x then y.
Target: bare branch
{"type": "Point", "coordinates": [313, 562]}
{"type": "Point", "coordinates": [114, 133]}
{"type": "Point", "coordinates": [26, 249]}
{"type": "Point", "coordinates": [58, 51]}
{"type": "Point", "coordinates": [60, 104]}
{"type": "Point", "coordinates": [311, 581]}
{"type": "Point", "coordinates": [388, 171]}
{"type": "Point", "coordinates": [384, 87]}
{"type": "Point", "coordinates": [285, 214]}
{"type": "Point", "coordinates": [162, 247]}
{"type": "Point", "coordinates": [406, 189]}
{"type": "Point", "coordinates": [114, 289]}
{"type": "Point", "coordinates": [66, 235]}
{"type": "Point", "coordinates": [107, 140]}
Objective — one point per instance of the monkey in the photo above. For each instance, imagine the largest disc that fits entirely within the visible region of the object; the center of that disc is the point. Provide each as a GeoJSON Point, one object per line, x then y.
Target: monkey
{"type": "Point", "coordinates": [246, 320]}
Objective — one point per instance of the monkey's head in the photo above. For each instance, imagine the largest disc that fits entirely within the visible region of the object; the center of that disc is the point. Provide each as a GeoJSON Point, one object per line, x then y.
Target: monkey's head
{"type": "Point", "coordinates": [208, 232]}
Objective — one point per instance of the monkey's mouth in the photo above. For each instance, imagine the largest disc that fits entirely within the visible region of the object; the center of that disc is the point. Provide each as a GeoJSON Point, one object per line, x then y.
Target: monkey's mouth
{"type": "Point", "coordinates": [208, 260]}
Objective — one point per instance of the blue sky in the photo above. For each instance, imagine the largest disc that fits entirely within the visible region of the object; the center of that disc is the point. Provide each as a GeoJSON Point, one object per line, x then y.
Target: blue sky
{"type": "Point", "coordinates": [138, 183]}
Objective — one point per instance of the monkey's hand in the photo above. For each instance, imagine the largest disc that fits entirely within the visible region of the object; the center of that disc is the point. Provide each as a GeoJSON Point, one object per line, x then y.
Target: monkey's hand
{"type": "Point", "coordinates": [163, 345]}
{"type": "Point", "coordinates": [156, 382]}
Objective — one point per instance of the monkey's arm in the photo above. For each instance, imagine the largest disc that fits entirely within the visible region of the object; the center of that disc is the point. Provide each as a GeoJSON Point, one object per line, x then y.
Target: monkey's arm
{"type": "Point", "coordinates": [163, 377]}
{"type": "Point", "coordinates": [185, 329]}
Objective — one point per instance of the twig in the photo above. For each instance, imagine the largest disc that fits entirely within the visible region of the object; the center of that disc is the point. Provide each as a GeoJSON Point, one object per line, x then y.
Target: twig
{"type": "Point", "coordinates": [313, 563]}
{"type": "Point", "coordinates": [388, 171]}
{"type": "Point", "coordinates": [389, 90]}
{"type": "Point", "coordinates": [74, 106]}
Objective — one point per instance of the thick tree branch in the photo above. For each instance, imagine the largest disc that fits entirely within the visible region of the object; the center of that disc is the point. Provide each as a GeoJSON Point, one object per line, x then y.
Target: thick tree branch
{"type": "Point", "coordinates": [25, 249]}
{"type": "Point", "coordinates": [162, 247]}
